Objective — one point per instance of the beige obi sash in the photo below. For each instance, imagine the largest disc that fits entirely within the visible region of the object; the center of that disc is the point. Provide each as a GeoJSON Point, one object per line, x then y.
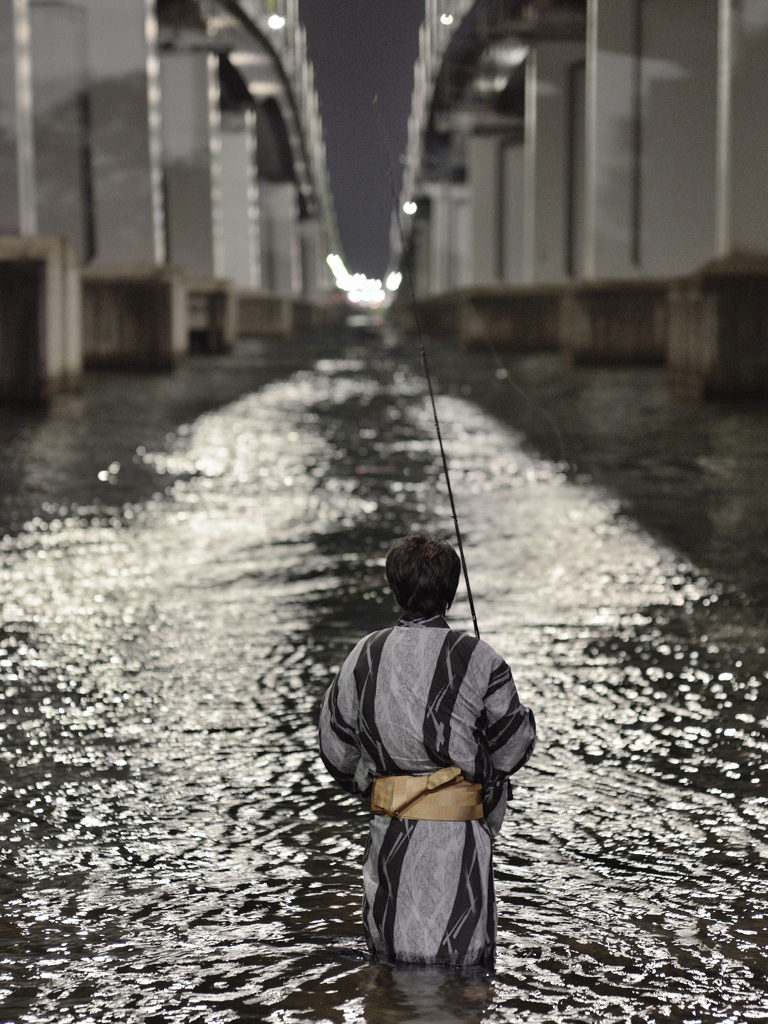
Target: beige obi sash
{"type": "Point", "coordinates": [443, 796]}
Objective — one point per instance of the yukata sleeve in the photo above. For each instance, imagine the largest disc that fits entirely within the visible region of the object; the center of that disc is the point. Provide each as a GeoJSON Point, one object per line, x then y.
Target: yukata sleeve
{"type": "Point", "coordinates": [338, 732]}
{"type": "Point", "coordinates": [510, 736]}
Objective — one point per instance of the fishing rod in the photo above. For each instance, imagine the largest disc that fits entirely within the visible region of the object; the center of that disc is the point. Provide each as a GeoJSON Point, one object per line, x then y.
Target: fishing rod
{"type": "Point", "coordinates": [425, 366]}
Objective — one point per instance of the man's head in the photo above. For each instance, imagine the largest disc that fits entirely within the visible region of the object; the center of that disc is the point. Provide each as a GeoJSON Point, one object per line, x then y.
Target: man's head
{"type": "Point", "coordinates": [423, 572]}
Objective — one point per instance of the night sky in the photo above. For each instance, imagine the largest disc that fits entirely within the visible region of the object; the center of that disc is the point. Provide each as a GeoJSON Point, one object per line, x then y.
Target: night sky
{"type": "Point", "coordinates": [361, 48]}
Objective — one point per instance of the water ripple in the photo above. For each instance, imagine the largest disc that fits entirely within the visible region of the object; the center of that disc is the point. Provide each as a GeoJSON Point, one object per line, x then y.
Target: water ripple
{"type": "Point", "coordinates": [174, 849]}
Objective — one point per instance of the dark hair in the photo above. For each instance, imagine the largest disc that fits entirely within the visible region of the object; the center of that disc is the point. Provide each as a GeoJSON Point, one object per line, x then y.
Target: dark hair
{"type": "Point", "coordinates": [423, 572]}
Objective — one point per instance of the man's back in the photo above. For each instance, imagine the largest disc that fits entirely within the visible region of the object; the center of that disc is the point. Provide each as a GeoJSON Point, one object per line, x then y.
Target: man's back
{"type": "Point", "coordinates": [409, 700]}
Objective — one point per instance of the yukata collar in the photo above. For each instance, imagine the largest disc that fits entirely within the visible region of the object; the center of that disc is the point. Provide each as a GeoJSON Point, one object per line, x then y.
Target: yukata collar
{"type": "Point", "coordinates": [433, 621]}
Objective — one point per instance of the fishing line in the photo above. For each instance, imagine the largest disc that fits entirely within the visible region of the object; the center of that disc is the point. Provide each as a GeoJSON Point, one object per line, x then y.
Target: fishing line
{"type": "Point", "coordinates": [562, 459]}
{"type": "Point", "coordinates": [425, 365]}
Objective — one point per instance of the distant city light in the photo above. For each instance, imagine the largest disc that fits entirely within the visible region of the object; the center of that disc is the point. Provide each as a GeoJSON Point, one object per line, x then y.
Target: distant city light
{"type": "Point", "coordinates": [276, 21]}
{"type": "Point", "coordinates": [393, 280]}
{"type": "Point", "coordinates": [409, 208]}
{"type": "Point", "coordinates": [446, 19]}
{"type": "Point", "coordinates": [361, 290]}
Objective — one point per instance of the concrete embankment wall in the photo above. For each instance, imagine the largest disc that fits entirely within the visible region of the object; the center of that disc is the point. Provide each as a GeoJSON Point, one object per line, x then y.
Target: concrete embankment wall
{"type": "Point", "coordinates": [711, 329]}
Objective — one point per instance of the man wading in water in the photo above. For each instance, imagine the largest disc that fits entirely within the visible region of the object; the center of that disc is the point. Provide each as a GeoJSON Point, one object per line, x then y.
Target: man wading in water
{"type": "Point", "coordinates": [427, 720]}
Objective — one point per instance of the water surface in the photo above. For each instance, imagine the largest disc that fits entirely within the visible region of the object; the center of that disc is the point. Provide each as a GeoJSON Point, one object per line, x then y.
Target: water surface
{"type": "Point", "coordinates": [174, 850]}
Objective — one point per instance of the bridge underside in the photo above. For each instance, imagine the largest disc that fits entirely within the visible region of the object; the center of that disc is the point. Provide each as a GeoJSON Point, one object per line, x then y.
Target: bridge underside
{"type": "Point", "coordinates": [174, 151]}
{"type": "Point", "coordinates": [576, 161]}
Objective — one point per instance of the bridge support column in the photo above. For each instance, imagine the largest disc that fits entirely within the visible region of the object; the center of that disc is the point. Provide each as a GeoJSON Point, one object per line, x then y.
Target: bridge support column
{"type": "Point", "coordinates": [559, 159]}
{"type": "Point", "coordinates": [485, 184]}
{"type": "Point", "coordinates": [132, 311]}
{"type": "Point", "coordinates": [40, 338]}
{"type": "Point", "coordinates": [743, 60]}
{"type": "Point", "coordinates": [240, 199]}
{"type": "Point", "coordinates": [18, 205]}
{"type": "Point", "coordinates": [438, 250]}
{"type": "Point", "coordinates": [126, 143]}
{"type": "Point", "coordinates": [280, 248]}
{"type": "Point", "coordinates": [652, 187]}
{"type": "Point", "coordinates": [191, 156]}
{"type": "Point", "coordinates": [62, 145]}
{"type": "Point", "coordinates": [313, 265]}
{"type": "Point", "coordinates": [40, 349]}
{"type": "Point", "coordinates": [447, 247]}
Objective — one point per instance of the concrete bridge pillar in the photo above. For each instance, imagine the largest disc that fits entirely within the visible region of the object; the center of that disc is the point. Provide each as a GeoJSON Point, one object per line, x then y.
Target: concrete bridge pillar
{"type": "Point", "coordinates": [39, 286]}
{"type": "Point", "coordinates": [196, 154]}
{"type": "Point", "coordinates": [62, 144]}
{"type": "Point", "coordinates": [132, 313]}
{"type": "Point", "coordinates": [192, 162]}
{"type": "Point", "coordinates": [126, 144]}
{"type": "Point", "coordinates": [240, 199]}
{"type": "Point", "coordinates": [18, 204]}
{"type": "Point", "coordinates": [279, 230]}
{"type": "Point", "coordinates": [674, 172]}
{"type": "Point", "coordinates": [743, 141]}
{"type": "Point", "coordinates": [653, 134]}
{"type": "Point", "coordinates": [484, 159]}
{"type": "Point", "coordinates": [559, 160]}
{"type": "Point", "coordinates": [445, 248]}
{"type": "Point", "coordinates": [313, 265]}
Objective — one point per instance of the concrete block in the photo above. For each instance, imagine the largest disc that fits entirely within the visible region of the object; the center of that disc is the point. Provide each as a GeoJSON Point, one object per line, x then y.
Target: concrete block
{"type": "Point", "coordinates": [264, 314]}
{"type": "Point", "coordinates": [518, 319]}
{"type": "Point", "coordinates": [40, 326]}
{"type": "Point", "coordinates": [615, 322]}
{"type": "Point", "coordinates": [212, 316]}
{"type": "Point", "coordinates": [525, 319]}
{"type": "Point", "coordinates": [134, 317]}
{"type": "Point", "coordinates": [718, 336]}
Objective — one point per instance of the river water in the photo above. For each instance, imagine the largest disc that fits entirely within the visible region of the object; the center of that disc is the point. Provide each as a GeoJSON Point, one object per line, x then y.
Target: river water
{"type": "Point", "coordinates": [186, 562]}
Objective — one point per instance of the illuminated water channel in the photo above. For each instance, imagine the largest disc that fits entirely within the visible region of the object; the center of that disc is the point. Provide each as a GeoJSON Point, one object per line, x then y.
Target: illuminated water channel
{"type": "Point", "coordinates": [173, 849]}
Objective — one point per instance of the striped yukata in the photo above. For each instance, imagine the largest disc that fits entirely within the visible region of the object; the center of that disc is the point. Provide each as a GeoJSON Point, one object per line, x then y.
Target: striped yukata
{"type": "Point", "coordinates": [407, 701]}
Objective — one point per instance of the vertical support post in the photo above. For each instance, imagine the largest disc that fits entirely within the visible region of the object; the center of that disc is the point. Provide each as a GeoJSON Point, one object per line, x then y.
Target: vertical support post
{"type": "Point", "coordinates": [18, 202]}
{"type": "Point", "coordinates": [637, 138]}
{"type": "Point", "coordinates": [590, 142]}
{"type": "Point", "coordinates": [125, 132]}
{"type": "Point", "coordinates": [25, 150]}
{"type": "Point", "coordinates": [155, 132]}
{"type": "Point", "coordinates": [529, 170]}
{"type": "Point", "coordinates": [254, 221]}
{"type": "Point", "coordinates": [723, 133]}
{"type": "Point", "coordinates": [214, 136]}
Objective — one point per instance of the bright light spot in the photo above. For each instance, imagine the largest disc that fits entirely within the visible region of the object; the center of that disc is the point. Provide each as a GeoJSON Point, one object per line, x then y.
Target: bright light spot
{"type": "Point", "coordinates": [446, 19]}
{"type": "Point", "coordinates": [409, 208]}
{"type": "Point", "coordinates": [276, 21]}
{"type": "Point", "coordinates": [360, 289]}
{"type": "Point", "coordinates": [393, 280]}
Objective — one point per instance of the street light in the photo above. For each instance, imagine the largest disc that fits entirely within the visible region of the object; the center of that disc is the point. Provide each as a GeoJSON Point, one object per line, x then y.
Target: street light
{"type": "Point", "coordinates": [276, 21]}
{"type": "Point", "coordinates": [446, 19]}
{"type": "Point", "coordinates": [409, 208]}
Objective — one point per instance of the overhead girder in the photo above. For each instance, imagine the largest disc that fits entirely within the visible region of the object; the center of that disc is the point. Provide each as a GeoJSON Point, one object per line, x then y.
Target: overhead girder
{"type": "Point", "coordinates": [477, 47]}
{"type": "Point", "coordinates": [457, 51]}
{"type": "Point", "coordinates": [252, 74]}
{"type": "Point", "coordinates": [475, 55]}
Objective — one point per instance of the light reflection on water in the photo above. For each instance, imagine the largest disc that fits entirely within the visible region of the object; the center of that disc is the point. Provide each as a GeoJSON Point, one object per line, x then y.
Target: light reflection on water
{"type": "Point", "coordinates": [175, 850]}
